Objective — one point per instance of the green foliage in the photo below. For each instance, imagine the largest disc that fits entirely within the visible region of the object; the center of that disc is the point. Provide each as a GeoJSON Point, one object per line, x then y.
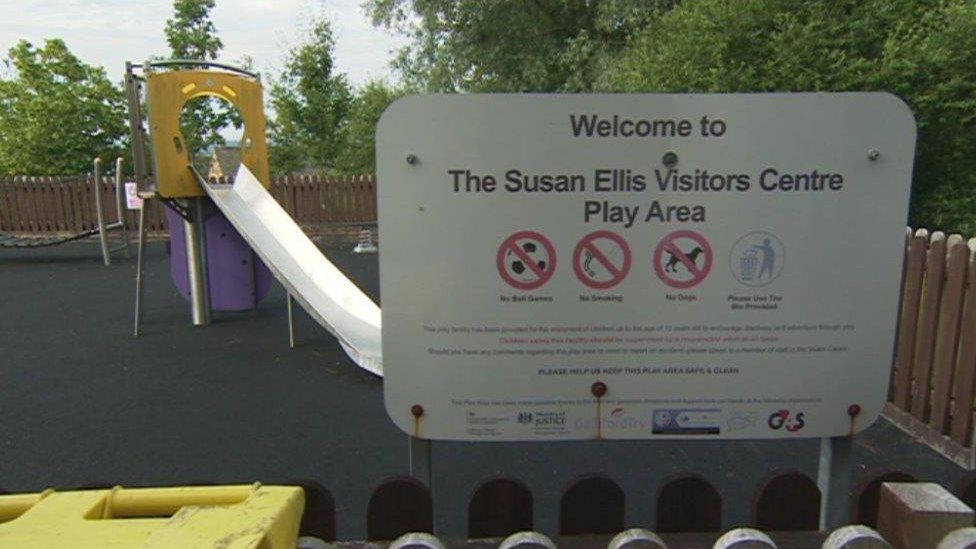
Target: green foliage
{"type": "Point", "coordinates": [510, 45]}
{"type": "Point", "coordinates": [358, 153]}
{"type": "Point", "coordinates": [922, 50]}
{"type": "Point", "coordinates": [192, 35]}
{"type": "Point", "coordinates": [56, 113]}
{"type": "Point", "coordinates": [311, 102]}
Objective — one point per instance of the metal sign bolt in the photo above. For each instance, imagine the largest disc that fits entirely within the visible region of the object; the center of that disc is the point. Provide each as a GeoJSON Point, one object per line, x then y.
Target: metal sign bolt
{"type": "Point", "coordinates": [412, 159]}
{"type": "Point", "coordinates": [853, 410]}
{"type": "Point", "coordinates": [598, 389]}
{"type": "Point", "coordinates": [417, 411]}
{"type": "Point", "coordinates": [873, 154]}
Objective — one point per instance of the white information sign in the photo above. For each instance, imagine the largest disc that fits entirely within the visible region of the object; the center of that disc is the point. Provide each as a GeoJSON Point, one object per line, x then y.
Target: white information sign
{"type": "Point", "coordinates": [641, 266]}
{"type": "Point", "coordinates": [132, 199]}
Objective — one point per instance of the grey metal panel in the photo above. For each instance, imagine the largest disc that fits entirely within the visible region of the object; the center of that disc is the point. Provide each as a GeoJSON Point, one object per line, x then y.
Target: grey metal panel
{"type": "Point", "coordinates": [322, 289]}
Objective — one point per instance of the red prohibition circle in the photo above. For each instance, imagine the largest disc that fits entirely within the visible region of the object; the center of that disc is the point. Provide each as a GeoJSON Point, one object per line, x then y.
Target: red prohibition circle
{"type": "Point", "coordinates": [667, 244]}
{"type": "Point", "coordinates": [511, 244]}
{"type": "Point", "coordinates": [618, 273]}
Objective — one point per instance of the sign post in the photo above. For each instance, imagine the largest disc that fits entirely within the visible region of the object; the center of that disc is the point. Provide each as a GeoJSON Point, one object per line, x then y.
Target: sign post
{"type": "Point", "coordinates": [727, 265]}
{"type": "Point", "coordinates": [835, 472]}
{"type": "Point", "coordinates": [643, 267]}
{"type": "Point", "coordinates": [560, 267]}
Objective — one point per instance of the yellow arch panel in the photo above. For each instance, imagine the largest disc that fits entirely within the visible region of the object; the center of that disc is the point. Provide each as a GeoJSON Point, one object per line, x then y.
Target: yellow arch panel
{"type": "Point", "coordinates": [168, 92]}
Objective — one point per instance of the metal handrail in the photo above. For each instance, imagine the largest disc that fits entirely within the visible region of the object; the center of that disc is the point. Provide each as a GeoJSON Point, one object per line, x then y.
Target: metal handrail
{"type": "Point", "coordinates": [198, 63]}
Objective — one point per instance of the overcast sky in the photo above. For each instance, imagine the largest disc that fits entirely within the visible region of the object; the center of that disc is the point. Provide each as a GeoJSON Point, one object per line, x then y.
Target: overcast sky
{"type": "Point", "coordinates": [109, 32]}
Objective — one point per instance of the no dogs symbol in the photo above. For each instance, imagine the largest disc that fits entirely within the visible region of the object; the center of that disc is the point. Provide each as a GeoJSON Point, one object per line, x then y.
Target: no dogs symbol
{"type": "Point", "coordinates": [526, 260]}
{"type": "Point", "coordinates": [682, 259]}
{"type": "Point", "coordinates": [601, 259]}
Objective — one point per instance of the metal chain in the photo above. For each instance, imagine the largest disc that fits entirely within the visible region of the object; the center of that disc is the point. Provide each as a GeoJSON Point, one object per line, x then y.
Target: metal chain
{"type": "Point", "coordinates": [10, 241]}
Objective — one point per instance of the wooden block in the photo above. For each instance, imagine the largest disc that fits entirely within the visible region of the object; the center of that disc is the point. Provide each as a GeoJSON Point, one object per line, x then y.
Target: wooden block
{"type": "Point", "coordinates": [964, 538]}
{"type": "Point", "coordinates": [912, 515]}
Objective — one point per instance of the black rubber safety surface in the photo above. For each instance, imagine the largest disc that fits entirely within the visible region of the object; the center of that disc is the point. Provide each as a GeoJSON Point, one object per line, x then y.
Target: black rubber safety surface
{"type": "Point", "coordinates": [85, 404]}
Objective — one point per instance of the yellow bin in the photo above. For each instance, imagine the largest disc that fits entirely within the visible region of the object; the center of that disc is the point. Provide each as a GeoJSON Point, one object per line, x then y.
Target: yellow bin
{"type": "Point", "coordinates": [231, 517]}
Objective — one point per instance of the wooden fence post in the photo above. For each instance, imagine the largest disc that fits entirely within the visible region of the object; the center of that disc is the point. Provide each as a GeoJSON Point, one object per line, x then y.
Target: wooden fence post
{"type": "Point", "coordinates": [928, 318]}
{"type": "Point", "coordinates": [947, 332]}
{"type": "Point", "coordinates": [965, 378]}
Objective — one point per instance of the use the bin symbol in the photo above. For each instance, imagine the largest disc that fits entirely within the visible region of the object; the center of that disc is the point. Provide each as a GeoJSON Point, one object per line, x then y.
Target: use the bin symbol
{"type": "Point", "coordinates": [747, 265]}
{"type": "Point", "coordinates": [757, 258]}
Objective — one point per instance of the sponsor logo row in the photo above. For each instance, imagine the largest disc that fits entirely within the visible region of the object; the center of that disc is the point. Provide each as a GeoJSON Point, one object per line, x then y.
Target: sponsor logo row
{"type": "Point", "coordinates": [668, 421]}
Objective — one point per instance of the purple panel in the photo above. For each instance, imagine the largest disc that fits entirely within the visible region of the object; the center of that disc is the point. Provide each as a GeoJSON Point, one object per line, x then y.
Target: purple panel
{"type": "Point", "coordinates": [238, 278]}
{"type": "Point", "coordinates": [177, 252]}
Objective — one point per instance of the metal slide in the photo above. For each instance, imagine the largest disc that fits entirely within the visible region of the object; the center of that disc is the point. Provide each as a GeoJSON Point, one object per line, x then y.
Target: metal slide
{"type": "Point", "coordinates": [331, 298]}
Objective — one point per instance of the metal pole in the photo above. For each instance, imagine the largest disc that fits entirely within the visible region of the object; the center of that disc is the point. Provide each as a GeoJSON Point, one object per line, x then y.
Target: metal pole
{"type": "Point", "coordinates": [136, 131]}
{"type": "Point", "coordinates": [140, 265]}
{"type": "Point", "coordinates": [291, 321]}
{"type": "Point", "coordinates": [420, 460]}
{"type": "Point", "coordinates": [137, 135]}
{"type": "Point", "coordinates": [835, 480]}
{"type": "Point", "coordinates": [99, 214]}
{"type": "Point", "coordinates": [119, 208]}
{"type": "Point", "coordinates": [196, 260]}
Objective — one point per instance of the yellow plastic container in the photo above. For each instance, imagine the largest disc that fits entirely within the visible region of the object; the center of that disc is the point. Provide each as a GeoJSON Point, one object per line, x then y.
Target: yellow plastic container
{"type": "Point", "coordinates": [228, 517]}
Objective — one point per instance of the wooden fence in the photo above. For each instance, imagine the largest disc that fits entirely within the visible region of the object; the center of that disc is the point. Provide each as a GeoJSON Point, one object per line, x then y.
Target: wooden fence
{"type": "Point", "coordinates": [934, 373]}
{"type": "Point", "coordinates": [45, 205]}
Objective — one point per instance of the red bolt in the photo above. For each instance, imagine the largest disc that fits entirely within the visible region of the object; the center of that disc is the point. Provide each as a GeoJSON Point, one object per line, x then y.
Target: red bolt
{"type": "Point", "coordinates": [853, 410]}
{"type": "Point", "coordinates": [417, 410]}
{"type": "Point", "coordinates": [598, 389]}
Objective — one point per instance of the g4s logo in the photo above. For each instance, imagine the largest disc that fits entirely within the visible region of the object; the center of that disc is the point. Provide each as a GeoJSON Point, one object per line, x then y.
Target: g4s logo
{"type": "Point", "coordinates": [783, 418]}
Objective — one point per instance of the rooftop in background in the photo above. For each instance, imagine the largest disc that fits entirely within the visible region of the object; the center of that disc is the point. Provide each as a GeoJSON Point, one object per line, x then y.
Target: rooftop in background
{"type": "Point", "coordinates": [222, 161]}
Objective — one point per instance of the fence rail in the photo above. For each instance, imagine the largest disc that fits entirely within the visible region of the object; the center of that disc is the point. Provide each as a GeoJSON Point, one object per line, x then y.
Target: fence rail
{"type": "Point", "coordinates": [44, 205]}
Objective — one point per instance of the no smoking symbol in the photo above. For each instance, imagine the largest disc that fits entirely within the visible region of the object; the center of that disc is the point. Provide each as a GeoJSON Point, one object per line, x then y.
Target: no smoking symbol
{"type": "Point", "coordinates": [601, 260]}
{"type": "Point", "coordinates": [526, 260]}
{"type": "Point", "coordinates": [683, 259]}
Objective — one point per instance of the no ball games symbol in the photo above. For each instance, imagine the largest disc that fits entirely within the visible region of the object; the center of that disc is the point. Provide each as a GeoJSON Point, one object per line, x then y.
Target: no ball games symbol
{"type": "Point", "coordinates": [682, 259]}
{"type": "Point", "coordinates": [601, 259]}
{"type": "Point", "coordinates": [526, 260]}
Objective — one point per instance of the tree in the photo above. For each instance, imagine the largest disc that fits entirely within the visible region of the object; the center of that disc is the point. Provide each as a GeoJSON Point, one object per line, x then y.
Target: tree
{"type": "Point", "coordinates": [358, 154]}
{"type": "Point", "coordinates": [311, 102]}
{"type": "Point", "coordinates": [57, 112]}
{"type": "Point", "coordinates": [922, 50]}
{"type": "Point", "coordinates": [511, 45]}
{"type": "Point", "coordinates": [192, 35]}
